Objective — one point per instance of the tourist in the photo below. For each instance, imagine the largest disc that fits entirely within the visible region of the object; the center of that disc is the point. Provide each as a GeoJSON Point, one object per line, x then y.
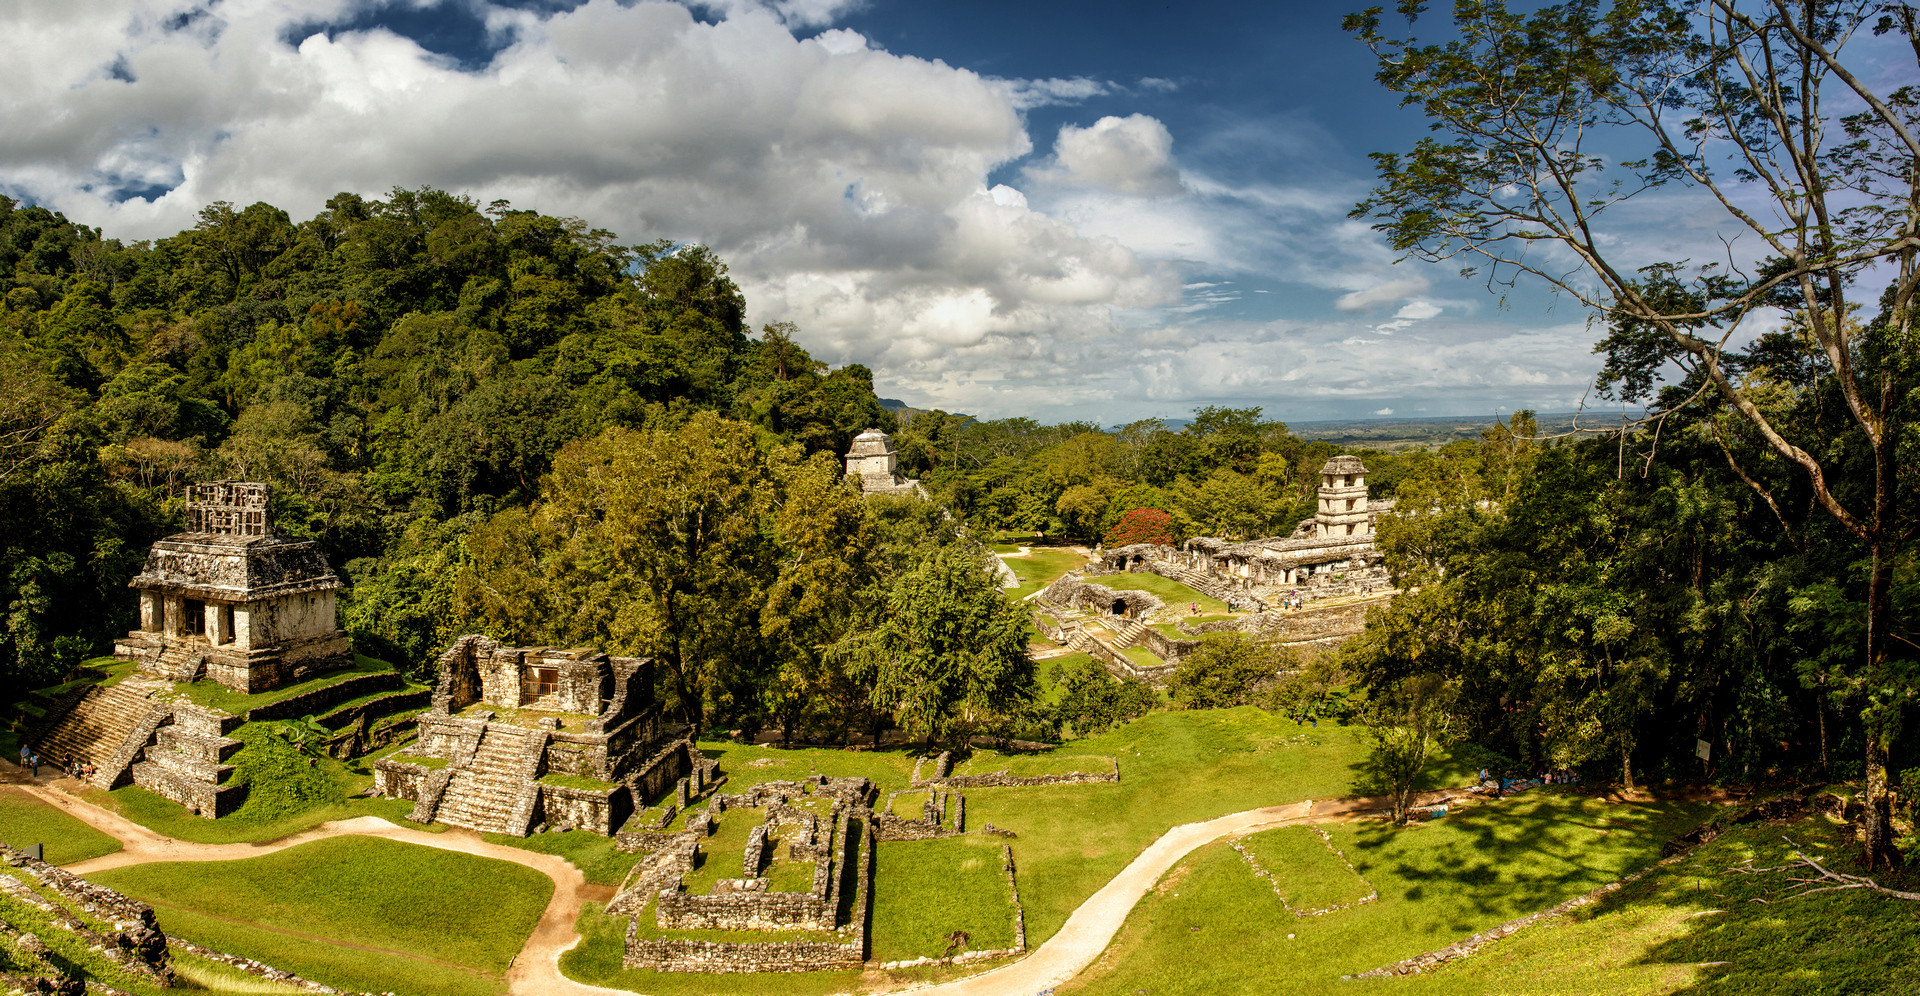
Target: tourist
{"type": "Point", "coordinates": [34, 760]}
{"type": "Point", "coordinates": [23, 755]}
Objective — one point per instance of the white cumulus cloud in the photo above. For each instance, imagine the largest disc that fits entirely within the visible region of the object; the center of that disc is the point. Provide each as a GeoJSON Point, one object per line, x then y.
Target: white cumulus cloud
{"type": "Point", "coordinates": [1130, 155]}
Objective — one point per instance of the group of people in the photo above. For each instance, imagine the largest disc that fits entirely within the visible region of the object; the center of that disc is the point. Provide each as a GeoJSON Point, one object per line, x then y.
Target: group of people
{"type": "Point", "coordinates": [1503, 785]}
{"type": "Point", "coordinates": [30, 760]}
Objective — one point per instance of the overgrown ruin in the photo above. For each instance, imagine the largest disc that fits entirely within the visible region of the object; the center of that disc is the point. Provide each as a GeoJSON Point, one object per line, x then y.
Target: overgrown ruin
{"type": "Point", "coordinates": [520, 737]}
{"type": "Point", "coordinates": [228, 600]}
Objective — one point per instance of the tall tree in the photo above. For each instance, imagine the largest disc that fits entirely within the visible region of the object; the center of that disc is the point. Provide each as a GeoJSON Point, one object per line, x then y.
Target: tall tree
{"type": "Point", "coordinates": [1734, 99]}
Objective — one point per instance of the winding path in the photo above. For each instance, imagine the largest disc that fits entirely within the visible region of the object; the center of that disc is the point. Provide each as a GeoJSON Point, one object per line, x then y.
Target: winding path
{"type": "Point", "coordinates": [536, 970]}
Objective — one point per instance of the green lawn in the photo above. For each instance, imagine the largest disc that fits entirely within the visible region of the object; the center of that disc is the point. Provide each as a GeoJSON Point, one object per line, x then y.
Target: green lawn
{"type": "Point", "coordinates": [721, 854]}
{"type": "Point", "coordinates": [1694, 928]}
{"type": "Point", "coordinates": [787, 875]}
{"type": "Point", "coordinates": [596, 960]}
{"type": "Point", "coordinates": [1170, 591]}
{"type": "Point", "coordinates": [1212, 926]}
{"type": "Point", "coordinates": [1175, 767]}
{"type": "Point", "coordinates": [985, 762]}
{"type": "Point", "coordinates": [354, 912]}
{"type": "Point", "coordinates": [924, 890]}
{"type": "Point", "coordinates": [1142, 657]}
{"type": "Point", "coordinates": [1306, 872]}
{"type": "Point", "coordinates": [200, 974]}
{"type": "Point", "coordinates": [596, 856]}
{"type": "Point", "coordinates": [1043, 566]}
{"type": "Point", "coordinates": [746, 766]}
{"type": "Point", "coordinates": [25, 820]}
{"type": "Point", "coordinates": [214, 695]}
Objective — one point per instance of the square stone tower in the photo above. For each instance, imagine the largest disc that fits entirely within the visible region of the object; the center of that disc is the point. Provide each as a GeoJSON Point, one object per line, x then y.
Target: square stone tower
{"type": "Point", "coordinates": [1343, 500]}
{"type": "Point", "coordinates": [872, 460]}
{"type": "Point", "coordinates": [231, 600]}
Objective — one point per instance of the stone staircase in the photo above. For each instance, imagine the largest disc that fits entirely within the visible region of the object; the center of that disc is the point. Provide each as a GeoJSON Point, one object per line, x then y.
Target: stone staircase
{"type": "Point", "coordinates": [1205, 584]}
{"type": "Point", "coordinates": [180, 664]}
{"type": "Point", "coordinates": [1128, 634]}
{"type": "Point", "coordinates": [100, 729]}
{"type": "Point", "coordinates": [494, 791]}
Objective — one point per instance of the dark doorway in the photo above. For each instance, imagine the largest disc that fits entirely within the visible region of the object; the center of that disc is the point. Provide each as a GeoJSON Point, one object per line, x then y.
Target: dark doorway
{"type": "Point", "coordinates": [538, 683]}
{"type": "Point", "coordinates": [195, 623]}
{"type": "Point", "coordinates": [1119, 607]}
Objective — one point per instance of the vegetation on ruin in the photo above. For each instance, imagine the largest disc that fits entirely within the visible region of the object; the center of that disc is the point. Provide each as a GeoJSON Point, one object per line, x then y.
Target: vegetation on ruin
{"type": "Point", "coordinates": [288, 791]}
{"type": "Point", "coordinates": [1174, 593]}
{"type": "Point", "coordinates": [596, 961]}
{"type": "Point", "coordinates": [67, 949]}
{"type": "Point", "coordinates": [25, 821]}
{"type": "Point", "coordinates": [1306, 872]}
{"type": "Point", "coordinates": [214, 695]}
{"type": "Point", "coordinates": [380, 911]}
{"type": "Point", "coordinates": [927, 890]}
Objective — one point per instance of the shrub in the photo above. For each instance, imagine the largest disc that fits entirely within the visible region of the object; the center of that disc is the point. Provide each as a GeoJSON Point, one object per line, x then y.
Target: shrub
{"type": "Point", "coordinates": [1228, 669]}
{"type": "Point", "coordinates": [1093, 701]}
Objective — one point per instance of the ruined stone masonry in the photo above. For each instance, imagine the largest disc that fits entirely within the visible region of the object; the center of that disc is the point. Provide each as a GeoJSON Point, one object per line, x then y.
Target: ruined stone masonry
{"type": "Point", "coordinates": [829, 918]}
{"type": "Point", "coordinates": [573, 739]}
{"type": "Point", "coordinates": [131, 937]}
{"type": "Point", "coordinates": [1329, 564]}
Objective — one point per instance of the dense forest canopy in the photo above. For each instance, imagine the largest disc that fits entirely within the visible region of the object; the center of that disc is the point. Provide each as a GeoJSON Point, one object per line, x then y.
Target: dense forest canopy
{"type": "Point", "coordinates": [442, 393]}
{"type": "Point", "coordinates": [399, 369]}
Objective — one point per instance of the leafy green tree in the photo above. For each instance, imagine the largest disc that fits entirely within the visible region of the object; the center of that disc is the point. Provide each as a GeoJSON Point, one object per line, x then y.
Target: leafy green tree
{"type": "Point", "coordinates": [950, 652]}
{"type": "Point", "coordinates": [1406, 725]}
{"type": "Point", "coordinates": [1092, 701]}
{"type": "Point", "coordinates": [1736, 100]}
{"type": "Point", "coordinates": [829, 577]}
{"type": "Point", "coordinates": [646, 542]}
{"type": "Point", "coordinates": [1228, 669]}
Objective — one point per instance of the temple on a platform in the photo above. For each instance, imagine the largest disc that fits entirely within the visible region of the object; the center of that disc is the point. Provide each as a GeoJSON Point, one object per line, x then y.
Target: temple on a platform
{"type": "Point", "coordinates": [519, 737]}
{"type": "Point", "coordinates": [231, 600]}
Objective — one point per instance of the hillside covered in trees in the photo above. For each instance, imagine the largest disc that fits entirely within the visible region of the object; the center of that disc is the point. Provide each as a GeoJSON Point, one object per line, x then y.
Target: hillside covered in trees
{"type": "Point", "coordinates": [400, 369]}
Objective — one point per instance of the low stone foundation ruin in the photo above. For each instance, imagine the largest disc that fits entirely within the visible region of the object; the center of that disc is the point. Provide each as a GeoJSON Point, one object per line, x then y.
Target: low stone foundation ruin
{"type": "Point", "coordinates": [838, 903]}
{"type": "Point", "coordinates": [136, 942]}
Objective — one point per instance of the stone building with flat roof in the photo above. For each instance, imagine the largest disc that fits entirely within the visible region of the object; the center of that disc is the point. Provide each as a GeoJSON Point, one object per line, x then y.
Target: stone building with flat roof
{"type": "Point", "coordinates": [231, 600]}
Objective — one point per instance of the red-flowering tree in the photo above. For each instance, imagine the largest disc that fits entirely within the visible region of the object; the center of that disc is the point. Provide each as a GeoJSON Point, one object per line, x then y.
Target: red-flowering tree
{"type": "Point", "coordinates": [1142, 525]}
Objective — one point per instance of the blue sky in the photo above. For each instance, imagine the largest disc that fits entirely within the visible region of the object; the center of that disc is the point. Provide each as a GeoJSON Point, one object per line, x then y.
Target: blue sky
{"type": "Point", "coordinates": [1061, 210]}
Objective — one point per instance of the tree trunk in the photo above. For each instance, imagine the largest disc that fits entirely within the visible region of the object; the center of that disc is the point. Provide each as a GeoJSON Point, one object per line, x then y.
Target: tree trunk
{"type": "Point", "coordinates": [1876, 823]}
{"type": "Point", "coordinates": [1626, 767]}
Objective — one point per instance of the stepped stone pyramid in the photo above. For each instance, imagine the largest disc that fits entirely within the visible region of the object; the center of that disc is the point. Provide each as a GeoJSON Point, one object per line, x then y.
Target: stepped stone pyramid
{"type": "Point", "coordinates": [506, 720]}
{"type": "Point", "coordinates": [228, 599]}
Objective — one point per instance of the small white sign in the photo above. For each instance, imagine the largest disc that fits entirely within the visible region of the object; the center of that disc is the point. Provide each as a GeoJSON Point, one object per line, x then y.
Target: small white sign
{"type": "Point", "coordinates": [1702, 750]}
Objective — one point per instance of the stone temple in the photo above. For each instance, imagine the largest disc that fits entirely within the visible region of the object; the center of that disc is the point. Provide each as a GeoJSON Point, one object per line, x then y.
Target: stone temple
{"type": "Point", "coordinates": [872, 460]}
{"type": "Point", "coordinates": [230, 600]}
{"type": "Point", "coordinates": [227, 600]}
{"type": "Point", "coordinates": [518, 737]}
